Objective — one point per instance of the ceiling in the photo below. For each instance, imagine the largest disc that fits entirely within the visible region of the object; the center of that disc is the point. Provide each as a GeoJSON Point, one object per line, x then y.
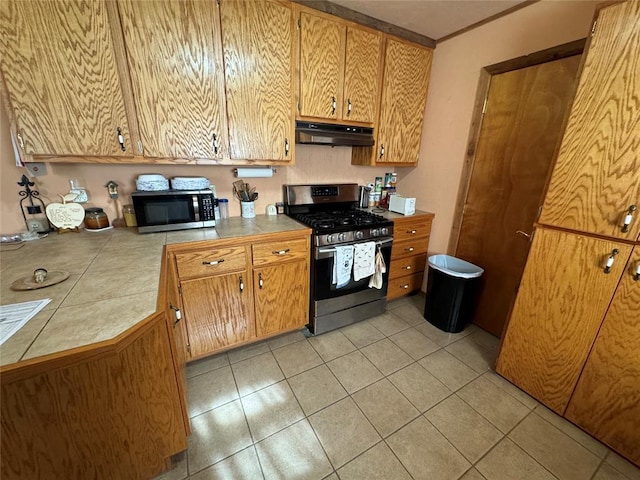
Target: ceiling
{"type": "Point", "coordinates": [432, 18]}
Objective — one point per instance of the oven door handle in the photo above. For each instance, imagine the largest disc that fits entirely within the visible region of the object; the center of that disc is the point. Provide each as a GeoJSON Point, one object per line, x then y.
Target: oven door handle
{"type": "Point", "coordinates": [327, 252]}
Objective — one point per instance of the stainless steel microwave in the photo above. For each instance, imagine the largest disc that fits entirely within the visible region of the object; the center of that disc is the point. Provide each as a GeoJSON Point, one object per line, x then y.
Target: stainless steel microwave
{"type": "Point", "coordinates": [166, 210]}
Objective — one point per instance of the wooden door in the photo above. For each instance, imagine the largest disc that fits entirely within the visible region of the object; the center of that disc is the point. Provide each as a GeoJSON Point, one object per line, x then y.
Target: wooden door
{"type": "Point", "coordinates": [217, 311]}
{"type": "Point", "coordinates": [256, 38]}
{"type": "Point", "coordinates": [523, 118]}
{"type": "Point", "coordinates": [282, 297]}
{"type": "Point", "coordinates": [606, 402]}
{"type": "Point", "coordinates": [560, 305]}
{"type": "Point", "coordinates": [404, 94]}
{"type": "Point", "coordinates": [361, 76]}
{"type": "Point", "coordinates": [322, 47]}
{"type": "Point", "coordinates": [59, 66]}
{"type": "Point", "coordinates": [595, 180]}
{"type": "Point", "coordinates": [175, 59]}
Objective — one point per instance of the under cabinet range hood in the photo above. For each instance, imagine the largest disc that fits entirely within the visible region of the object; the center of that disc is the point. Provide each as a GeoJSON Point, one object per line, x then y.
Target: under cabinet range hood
{"type": "Point", "coordinates": [333, 135]}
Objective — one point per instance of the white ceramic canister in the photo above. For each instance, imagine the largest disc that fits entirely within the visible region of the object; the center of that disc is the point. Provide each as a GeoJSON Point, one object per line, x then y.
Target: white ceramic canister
{"type": "Point", "coordinates": [248, 209]}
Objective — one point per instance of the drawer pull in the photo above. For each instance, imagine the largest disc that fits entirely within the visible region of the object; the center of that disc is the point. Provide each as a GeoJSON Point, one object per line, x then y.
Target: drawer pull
{"type": "Point", "coordinates": [407, 267]}
{"type": "Point", "coordinates": [280, 252]}
{"type": "Point", "coordinates": [409, 249]}
{"type": "Point", "coordinates": [405, 286]}
{"type": "Point", "coordinates": [412, 232]}
{"type": "Point", "coordinates": [260, 281]}
{"type": "Point", "coordinates": [636, 276]}
{"type": "Point", "coordinates": [628, 218]}
{"type": "Point", "coordinates": [241, 284]}
{"type": "Point", "coordinates": [214, 262]}
{"type": "Point", "coordinates": [611, 260]}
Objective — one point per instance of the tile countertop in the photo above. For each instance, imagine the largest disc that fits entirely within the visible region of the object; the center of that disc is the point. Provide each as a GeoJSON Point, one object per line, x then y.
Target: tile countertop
{"type": "Point", "coordinates": [113, 284]}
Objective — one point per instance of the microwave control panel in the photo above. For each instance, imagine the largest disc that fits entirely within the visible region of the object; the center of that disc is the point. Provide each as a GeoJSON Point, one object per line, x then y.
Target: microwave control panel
{"type": "Point", "coordinates": [206, 208]}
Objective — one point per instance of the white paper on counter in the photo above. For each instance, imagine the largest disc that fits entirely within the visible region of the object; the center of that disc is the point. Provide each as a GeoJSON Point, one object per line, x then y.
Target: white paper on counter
{"type": "Point", "coordinates": [13, 317]}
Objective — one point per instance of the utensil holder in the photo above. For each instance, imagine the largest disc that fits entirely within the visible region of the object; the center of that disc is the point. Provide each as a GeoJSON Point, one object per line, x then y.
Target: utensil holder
{"type": "Point", "coordinates": [248, 209]}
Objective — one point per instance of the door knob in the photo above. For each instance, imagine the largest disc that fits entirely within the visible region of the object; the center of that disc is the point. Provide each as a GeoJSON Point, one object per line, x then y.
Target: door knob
{"type": "Point", "coordinates": [528, 235]}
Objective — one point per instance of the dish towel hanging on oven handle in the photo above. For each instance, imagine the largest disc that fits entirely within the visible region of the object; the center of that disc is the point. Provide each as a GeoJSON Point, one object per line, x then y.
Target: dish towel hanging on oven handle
{"type": "Point", "coordinates": [342, 265]}
{"type": "Point", "coordinates": [380, 268]}
{"type": "Point", "coordinates": [364, 263]}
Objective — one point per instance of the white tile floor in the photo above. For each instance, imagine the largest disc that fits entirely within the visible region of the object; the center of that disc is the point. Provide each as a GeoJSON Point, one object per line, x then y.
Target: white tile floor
{"type": "Point", "coordinates": [388, 398]}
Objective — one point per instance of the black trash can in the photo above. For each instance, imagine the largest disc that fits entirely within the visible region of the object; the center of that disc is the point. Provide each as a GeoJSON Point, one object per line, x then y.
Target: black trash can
{"type": "Point", "coordinates": [451, 292]}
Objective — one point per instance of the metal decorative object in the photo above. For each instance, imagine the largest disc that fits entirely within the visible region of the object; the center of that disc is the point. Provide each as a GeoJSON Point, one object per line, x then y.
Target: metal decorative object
{"type": "Point", "coordinates": [31, 204]}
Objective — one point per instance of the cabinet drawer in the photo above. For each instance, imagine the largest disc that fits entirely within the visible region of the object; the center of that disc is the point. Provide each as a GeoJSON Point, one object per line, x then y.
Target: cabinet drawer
{"type": "Point", "coordinates": [404, 285]}
{"type": "Point", "coordinates": [408, 248]}
{"type": "Point", "coordinates": [204, 263]}
{"type": "Point", "coordinates": [407, 265]}
{"type": "Point", "coordinates": [278, 252]}
{"type": "Point", "coordinates": [412, 228]}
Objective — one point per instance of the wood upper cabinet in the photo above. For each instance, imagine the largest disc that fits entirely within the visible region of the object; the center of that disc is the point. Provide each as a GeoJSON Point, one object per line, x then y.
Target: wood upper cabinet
{"type": "Point", "coordinates": [561, 303]}
{"type": "Point", "coordinates": [59, 64]}
{"type": "Point", "coordinates": [339, 68]}
{"type": "Point", "coordinates": [595, 181]}
{"type": "Point", "coordinates": [606, 402]}
{"type": "Point", "coordinates": [404, 95]}
{"type": "Point", "coordinates": [174, 52]}
{"type": "Point", "coordinates": [257, 47]}
{"type": "Point", "coordinates": [322, 50]}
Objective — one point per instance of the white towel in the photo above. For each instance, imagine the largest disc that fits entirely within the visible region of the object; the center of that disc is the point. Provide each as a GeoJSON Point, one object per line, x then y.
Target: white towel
{"type": "Point", "coordinates": [364, 260]}
{"type": "Point", "coordinates": [342, 265]}
{"type": "Point", "coordinates": [381, 267]}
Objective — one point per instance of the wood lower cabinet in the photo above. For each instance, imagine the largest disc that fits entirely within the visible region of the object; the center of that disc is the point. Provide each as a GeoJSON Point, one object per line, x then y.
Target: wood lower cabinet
{"type": "Point", "coordinates": [409, 254]}
{"type": "Point", "coordinates": [606, 401]}
{"type": "Point", "coordinates": [562, 300]}
{"type": "Point", "coordinates": [59, 62]}
{"type": "Point", "coordinates": [239, 290]}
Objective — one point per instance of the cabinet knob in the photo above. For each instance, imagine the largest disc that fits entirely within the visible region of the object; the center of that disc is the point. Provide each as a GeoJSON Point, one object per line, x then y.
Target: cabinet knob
{"type": "Point", "coordinates": [216, 144]}
{"type": "Point", "coordinates": [121, 139]}
{"type": "Point", "coordinates": [409, 249]}
{"type": "Point", "coordinates": [280, 252]}
{"type": "Point", "coordinates": [213, 262]}
{"type": "Point", "coordinates": [405, 286]}
{"type": "Point", "coordinates": [349, 106]}
{"type": "Point", "coordinates": [176, 312]}
{"type": "Point", "coordinates": [286, 147]}
{"type": "Point", "coordinates": [628, 218]}
{"type": "Point", "coordinates": [411, 232]}
{"type": "Point", "coordinates": [241, 284]}
{"type": "Point", "coordinates": [381, 150]}
{"type": "Point", "coordinates": [611, 260]}
{"type": "Point", "coordinates": [636, 276]}
{"type": "Point", "coordinates": [407, 267]}
{"type": "Point", "coordinates": [260, 281]}
{"type": "Point", "coordinates": [334, 105]}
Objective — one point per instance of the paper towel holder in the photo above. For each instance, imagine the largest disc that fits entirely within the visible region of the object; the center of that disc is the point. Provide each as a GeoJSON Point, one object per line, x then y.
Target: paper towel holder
{"type": "Point", "coordinates": [254, 172]}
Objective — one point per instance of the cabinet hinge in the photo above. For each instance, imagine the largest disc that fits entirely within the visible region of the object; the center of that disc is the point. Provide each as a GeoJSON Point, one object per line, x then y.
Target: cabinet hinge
{"type": "Point", "coordinates": [593, 28]}
{"type": "Point", "coordinates": [299, 24]}
{"type": "Point", "coordinates": [484, 105]}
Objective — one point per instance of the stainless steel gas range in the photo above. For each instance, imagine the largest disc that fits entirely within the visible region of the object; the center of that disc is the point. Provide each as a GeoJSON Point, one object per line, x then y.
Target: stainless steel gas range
{"type": "Point", "coordinates": [337, 297]}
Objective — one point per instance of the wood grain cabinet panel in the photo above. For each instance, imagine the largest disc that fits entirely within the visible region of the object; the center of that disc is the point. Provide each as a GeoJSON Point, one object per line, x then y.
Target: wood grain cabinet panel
{"type": "Point", "coordinates": [59, 65]}
{"type": "Point", "coordinates": [279, 252]}
{"type": "Point", "coordinates": [560, 305]}
{"type": "Point", "coordinates": [401, 286]}
{"type": "Point", "coordinates": [409, 248]}
{"type": "Point", "coordinates": [282, 297]}
{"type": "Point", "coordinates": [408, 265]}
{"type": "Point", "coordinates": [606, 402]}
{"type": "Point", "coordinates": [211, 261]}
{"type": "Point", "coordinates": [256, 37]}
{"type": "Point", "coordinates": [361, 76]}
{"type": "Point", "coordinates": [595, 179]}
{"type": "Point", "coordinates": [218, 312]}
{"type": "Point", "coordinates": [322, 50]}
{"type": "Point", "coordinates": [174, 51]}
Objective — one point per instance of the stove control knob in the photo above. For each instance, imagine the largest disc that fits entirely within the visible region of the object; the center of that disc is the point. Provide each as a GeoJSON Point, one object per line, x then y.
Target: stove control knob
{"type": "Point", "coordinates": [330, 238]}
{"type": "Point", "coordinates": [358, 235]}
{"type": "Point", "coordinates": [375, 232]}
{"type": "Point", "coordinates": [342, 237]}
{"type": "Point", "coordinates": [384, 231]}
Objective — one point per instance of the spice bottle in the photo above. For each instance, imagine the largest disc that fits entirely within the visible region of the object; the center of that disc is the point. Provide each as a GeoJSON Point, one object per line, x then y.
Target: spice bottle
{"type": "Point", "coordinates": [223, 205]}
{"type": "Point", "coordinates": [129, 215]}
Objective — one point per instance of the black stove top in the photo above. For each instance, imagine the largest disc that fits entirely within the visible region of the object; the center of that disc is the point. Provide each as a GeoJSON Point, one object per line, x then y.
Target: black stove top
{"type": "Point", "coordinates": [338, 221]}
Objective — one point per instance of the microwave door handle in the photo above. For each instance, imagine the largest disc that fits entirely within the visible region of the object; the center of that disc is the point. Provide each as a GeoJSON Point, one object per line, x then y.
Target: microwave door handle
{"type": "Point", "coordinates": [196, 208]}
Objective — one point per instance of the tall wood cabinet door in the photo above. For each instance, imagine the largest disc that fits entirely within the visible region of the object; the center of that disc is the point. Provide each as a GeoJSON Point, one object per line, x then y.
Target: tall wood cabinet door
{"type": "Point", "coordinates": [560, 305]}
{"type": "Point", "coordinates": [404, 94]}
{"type": "Point", "coordinates": [59, 66]}
{"type": "Point", "coordinates": [361, 77]}
{"type": "Point", "coordinates": [256, 37]}
{"type": "Point", "coordinates": [282, 297]}
{"type": "Point", "coordinates": [595, 180]}
{"type": "Point", "coordinates": [217, 311]}
{"type": "Point", "coordinates": [174, 51]}
{"type": "Point", "coordinates": [606, 402]}
{"type": "Point", "coordinates": [322, 47]}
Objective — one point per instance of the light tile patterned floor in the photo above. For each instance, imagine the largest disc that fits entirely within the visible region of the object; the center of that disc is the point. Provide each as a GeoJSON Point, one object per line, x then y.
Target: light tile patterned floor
{"type": "Point", "coordinates": [388, 398]}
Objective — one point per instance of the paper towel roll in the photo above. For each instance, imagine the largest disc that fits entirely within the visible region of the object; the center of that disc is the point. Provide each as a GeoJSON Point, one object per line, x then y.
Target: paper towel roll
{"type": "Point", "coordinates": [254, 172]}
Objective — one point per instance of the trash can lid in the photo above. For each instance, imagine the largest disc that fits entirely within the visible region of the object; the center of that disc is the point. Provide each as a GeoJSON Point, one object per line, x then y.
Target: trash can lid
{"type": "Point", "coordinates": [454, 266]}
